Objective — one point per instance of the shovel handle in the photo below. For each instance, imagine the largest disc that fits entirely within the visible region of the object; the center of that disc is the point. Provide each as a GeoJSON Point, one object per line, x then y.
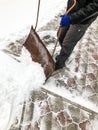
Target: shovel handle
{"type": "Point", "coordinates": [38, 8]}
{"type": "Point", "coordinates": [70, 8]}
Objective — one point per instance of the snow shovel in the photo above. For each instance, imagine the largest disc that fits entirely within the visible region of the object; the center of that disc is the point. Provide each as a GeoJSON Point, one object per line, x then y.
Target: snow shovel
{"type": "Point", "coordinates": [39, 52]}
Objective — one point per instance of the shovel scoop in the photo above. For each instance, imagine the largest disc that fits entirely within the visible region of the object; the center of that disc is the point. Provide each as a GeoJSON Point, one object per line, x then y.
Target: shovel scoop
{"type": "Point", "coordinates": [39, 52]}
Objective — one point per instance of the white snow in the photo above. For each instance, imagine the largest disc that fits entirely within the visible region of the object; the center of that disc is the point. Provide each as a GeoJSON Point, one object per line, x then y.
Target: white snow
{"type": "Point", "coordinates": [16, 15]}
{"type": "Point", "coordinates": [18, 79]}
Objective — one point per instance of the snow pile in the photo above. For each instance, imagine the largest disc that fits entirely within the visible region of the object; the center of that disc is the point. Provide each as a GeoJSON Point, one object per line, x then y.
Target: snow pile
{"type": "Point", "coordinates": [17, 80]}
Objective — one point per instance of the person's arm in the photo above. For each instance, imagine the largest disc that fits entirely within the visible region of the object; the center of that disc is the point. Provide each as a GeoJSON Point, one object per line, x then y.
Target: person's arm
{"type": "Point", "coordinates": [85, 13]}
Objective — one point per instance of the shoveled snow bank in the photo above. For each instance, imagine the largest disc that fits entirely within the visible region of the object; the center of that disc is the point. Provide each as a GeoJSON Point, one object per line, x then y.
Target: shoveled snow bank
{"type": "Point", "coordinates": [17, 80]}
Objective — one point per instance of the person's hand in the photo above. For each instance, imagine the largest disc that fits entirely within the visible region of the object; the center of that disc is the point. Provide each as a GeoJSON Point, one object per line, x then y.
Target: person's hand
{"type": "Point", "coordinates": [65, 21]}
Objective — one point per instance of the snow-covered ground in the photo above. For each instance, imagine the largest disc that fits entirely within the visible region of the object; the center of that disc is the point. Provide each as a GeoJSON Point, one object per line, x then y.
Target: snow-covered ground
{"type": "Point", "coordinates": [17, 80]}
{"type": "Point", "coordinates": [16, 15]}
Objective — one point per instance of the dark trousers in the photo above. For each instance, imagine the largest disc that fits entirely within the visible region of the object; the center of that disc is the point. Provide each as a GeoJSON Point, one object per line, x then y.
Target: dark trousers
{"type": "Point", "coordinates": [68, 38]}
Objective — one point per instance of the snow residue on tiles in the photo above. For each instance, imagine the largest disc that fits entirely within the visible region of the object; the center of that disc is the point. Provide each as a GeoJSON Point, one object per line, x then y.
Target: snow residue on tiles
{"type": "Point", "coordinates": [95, 123]}
{"type": "Point", "coordinates": [49, 9]}
{"type": "Point", "coordinates": [17, 80]}
{"type": "Point", "coordinates": [53, 86]}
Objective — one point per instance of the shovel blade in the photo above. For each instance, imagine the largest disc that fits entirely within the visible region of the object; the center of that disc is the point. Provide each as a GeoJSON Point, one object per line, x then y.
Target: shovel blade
{"type": "Point", "coordinates": [39, 52]}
